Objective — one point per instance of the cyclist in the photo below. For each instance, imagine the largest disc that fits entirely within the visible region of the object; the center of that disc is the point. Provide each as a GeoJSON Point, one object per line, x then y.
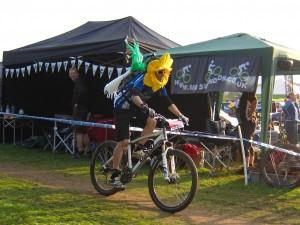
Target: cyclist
{"type": "Point", "coordinates": [131, 101]}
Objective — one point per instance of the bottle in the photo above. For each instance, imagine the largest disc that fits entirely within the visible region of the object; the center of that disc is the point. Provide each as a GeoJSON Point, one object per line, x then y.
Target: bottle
{"type": "Point", "coordinates": [7, 109]}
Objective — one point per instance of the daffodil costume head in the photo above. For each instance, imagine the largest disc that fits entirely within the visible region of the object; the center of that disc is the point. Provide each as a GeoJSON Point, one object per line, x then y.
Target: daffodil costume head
{"type": "Point", "coordinates": [158, 72]}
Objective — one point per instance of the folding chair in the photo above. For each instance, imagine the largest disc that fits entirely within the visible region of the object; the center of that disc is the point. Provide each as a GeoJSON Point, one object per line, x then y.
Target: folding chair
{"type": "Point", "coordinates": [63, 137]}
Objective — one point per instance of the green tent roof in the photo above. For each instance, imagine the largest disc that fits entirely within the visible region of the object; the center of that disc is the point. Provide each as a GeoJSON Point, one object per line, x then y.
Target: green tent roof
{"type": "Point", "coordinates": [239, 44]}
{"type": "Point", "coordinates": [233, 42]}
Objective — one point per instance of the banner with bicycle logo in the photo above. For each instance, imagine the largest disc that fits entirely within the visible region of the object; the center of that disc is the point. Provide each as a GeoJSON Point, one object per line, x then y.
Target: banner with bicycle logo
{"type": "Point", "coordinates": [201, 74]}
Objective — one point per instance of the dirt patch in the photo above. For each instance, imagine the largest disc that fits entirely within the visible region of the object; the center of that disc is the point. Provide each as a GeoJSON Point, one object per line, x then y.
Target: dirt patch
{"type": "Point", "coordinates": [83, 185]}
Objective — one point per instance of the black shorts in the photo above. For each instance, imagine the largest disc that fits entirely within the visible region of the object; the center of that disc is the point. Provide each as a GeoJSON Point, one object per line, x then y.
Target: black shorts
{"type": "Point", "coordinates": [124, 118]}
{"type": "Point", "coordinates": [80, 114]}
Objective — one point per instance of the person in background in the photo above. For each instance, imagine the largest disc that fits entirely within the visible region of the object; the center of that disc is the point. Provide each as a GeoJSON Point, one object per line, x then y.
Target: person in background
{"type": "Point", "coordinates": [80, 107]}
{"type": "Point", "coordinates": [291, 118]}
{"type": "Point", "coordinates": [248, 120]}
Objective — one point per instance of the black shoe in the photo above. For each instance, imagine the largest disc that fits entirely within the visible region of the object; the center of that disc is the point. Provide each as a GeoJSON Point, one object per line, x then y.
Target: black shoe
{"type": "Point", "coordinates": [116, 180]}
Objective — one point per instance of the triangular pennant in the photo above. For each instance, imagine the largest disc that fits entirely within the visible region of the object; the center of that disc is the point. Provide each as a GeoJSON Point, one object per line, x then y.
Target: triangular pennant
{"type": "Point", "coordinates": [40, 66]}
{"type": "Point", "coordinates": [47, 66]}
{"type": "Point", "coordinates": [102, 69]}
{"type": "Point", "coordinates": [35, 67]}
{"type": "Point", "coordinates": [110, 71]}
{"type": "Point", "coordinates": [6, 72]}
{"type": "Point", "coordinates": [23, 71]}
{"type": "Point", "coordinates": [95, 67]}
{"type": "Point", "coordinates": [17, 72]}
{"type": "Point", "coordinates": [66, 65]}
{"type": "Point", "coordinates": [127, 68]}
{"type": "Point", "coordinates": [59, 66]}
{"type": "Point", "coordinates": [79, 63]}
{"type": "Point", "coordinates": [73, 61]}
{"type": "Point", "coordinates": [119, 70]}
{"type": "Point", "coordinates": [86, 66]}
{"type": "Point", "coordinates": [12, 72]}
{"type": "Point", "coordinates": [53, 67]}
{"type": "Point", "coordinates": [28, 69]}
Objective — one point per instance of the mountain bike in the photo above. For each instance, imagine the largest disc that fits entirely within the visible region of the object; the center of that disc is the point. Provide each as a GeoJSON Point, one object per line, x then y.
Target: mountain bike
{"type": "Point", "coordinates": [172, 178]}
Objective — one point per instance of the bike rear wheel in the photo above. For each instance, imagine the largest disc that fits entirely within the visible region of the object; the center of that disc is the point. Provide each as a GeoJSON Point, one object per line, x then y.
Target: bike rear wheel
{"type": "Point", "coordinates": [177, 194]}
{"type": "Point", "coordinates": [280, 169]}
{"type": "Point", "coordinates": [100, 176]}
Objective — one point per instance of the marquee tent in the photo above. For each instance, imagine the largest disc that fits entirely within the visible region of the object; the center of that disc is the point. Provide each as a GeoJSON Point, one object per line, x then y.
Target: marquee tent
{"type": "Point", "coordinates": [35, 76]}
{"type": "Point", "coordinates": [98, 40]}
{"type": "Point", "coordinates": [273, 60]}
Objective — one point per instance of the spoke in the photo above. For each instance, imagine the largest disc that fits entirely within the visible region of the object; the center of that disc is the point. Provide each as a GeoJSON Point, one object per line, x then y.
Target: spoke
{"type": "Point", "coordinates": [274, 166]}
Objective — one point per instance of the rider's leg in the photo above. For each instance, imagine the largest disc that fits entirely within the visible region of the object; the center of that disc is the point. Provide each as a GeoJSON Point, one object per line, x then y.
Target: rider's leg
{"type": "Point", "coordinates": [148, 129]}
{"type": "Point", "coordinates": [118, 153]}
{"type": "Point", "coordinates": [117, 157]}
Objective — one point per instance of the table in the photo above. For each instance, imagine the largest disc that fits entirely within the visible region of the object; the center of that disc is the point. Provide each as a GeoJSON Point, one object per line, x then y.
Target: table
{"type": "Point", "coordinates": [14, 123]}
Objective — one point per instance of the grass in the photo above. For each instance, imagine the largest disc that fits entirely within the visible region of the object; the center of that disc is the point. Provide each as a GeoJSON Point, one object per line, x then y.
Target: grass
{"type": "Point", "coordinates": [224, 194]}
{"type": "Point", "coordinates": [29, 203]}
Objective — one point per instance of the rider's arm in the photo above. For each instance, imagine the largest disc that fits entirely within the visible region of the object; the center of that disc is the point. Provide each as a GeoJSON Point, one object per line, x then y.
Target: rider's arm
{"type": "Point", "coordinates": [137, 100]}
{"type": "Point", "coordinates": [173, 109]}
{"type": "Point", "coordinates": [167, 101]}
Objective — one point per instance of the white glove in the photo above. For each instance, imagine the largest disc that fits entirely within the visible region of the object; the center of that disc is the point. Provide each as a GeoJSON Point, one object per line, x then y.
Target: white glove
{"type": "Point", "coordinates": [184, 119]}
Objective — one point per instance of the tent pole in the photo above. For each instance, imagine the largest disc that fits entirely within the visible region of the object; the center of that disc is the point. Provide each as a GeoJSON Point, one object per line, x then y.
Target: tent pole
{"type": "Point", "coordinates": [266, 99]}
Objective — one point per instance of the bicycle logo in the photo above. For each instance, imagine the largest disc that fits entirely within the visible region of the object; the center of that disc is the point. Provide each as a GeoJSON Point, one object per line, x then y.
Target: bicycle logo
{"type": "Point", "coordinates": [212, 71]}
{"type": "Point", "coordinates": [240, 72]}
{"type": "Point", "coordinates": [184, 74]}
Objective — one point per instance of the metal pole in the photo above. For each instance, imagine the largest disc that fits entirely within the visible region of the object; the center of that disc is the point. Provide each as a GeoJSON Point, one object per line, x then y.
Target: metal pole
{"type": "Point", "coordinates": [243, 153]}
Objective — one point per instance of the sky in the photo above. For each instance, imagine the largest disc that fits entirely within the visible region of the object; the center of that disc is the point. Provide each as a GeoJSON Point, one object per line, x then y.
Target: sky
{"type": "Point", "coordinates": [185, 22]}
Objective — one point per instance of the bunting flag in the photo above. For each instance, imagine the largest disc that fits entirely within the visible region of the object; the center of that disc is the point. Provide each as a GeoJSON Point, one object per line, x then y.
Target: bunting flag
{"type": "Point", "coordinates": [127, 68]}
{"type": "Point", "coordinates": [28, 69]}
{"type": "Point", "coordinates": [47, 66]}
{"type": "Point", "coordinates": [59, 66]}
{"type": "Point", "coordinates": [40, 66]}
{"type": "Point", "coordinates": [6, 72]}
{"type": "Point", "coordinates": [110, 71]}
{"type": "Point", "coordinates": [119, 70]}
{"type": "Point", "coordinates": [95, 67]}
{"type": "Point", "coordinates": [66, 65]}
{"type": "Point", "coordinates": [102, 69]}
{"type": "Point", "coordinates": [35, 67]}
{"type": "Point", "coordinates": [17, 72]}
{"type": "Point", "coordinates": [53, 67]}
{"type": "Point", "coordinates": [12, 72]}
{"type": "Point", "coordinates": [23, 71]}
{"type": "Point", "coordinates": [73, 61]}
{"type": "Point", "coordinates": [79, 63]}
{"type": "Point", "coordinates": [86, 66]}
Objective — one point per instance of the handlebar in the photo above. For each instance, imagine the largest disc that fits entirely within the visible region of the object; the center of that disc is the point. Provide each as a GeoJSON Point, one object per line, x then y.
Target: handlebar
{"type": "Point", "coordinates": [164, 120]}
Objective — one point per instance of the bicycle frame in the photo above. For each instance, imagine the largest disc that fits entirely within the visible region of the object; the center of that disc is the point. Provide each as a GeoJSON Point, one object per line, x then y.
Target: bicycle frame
{"type": "Point", "coordinates": [160, 141]}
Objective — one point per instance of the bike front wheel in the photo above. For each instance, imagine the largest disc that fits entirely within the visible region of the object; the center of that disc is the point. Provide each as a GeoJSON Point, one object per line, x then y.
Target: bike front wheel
{"type": "Point", "coordinates": [176, 193]}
